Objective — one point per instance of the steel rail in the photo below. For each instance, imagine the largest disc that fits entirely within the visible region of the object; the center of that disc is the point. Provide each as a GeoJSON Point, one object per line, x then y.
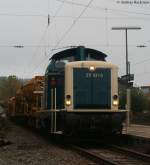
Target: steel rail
{"type": "Point", "coordinates": [132, 153]}
{"type": "Point", "coordinates": [96, 158]}
{"type": "Point", "coordinates": [100, 159]}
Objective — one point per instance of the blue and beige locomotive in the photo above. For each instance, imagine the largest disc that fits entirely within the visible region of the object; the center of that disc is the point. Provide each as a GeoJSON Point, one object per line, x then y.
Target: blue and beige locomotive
{"type": "Point", "coordinates": [81, 94]}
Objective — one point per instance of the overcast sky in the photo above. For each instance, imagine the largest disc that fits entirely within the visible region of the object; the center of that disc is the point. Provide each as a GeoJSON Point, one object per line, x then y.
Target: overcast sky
{"type": "Point", "coordinates": [72, 23]}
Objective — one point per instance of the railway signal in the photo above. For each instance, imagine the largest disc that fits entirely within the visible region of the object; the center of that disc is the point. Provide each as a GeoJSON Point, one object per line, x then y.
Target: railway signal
{"type": "Point", "coordinates": [127, 80]}
{"type": "Point", "coordinates": [129, 77]}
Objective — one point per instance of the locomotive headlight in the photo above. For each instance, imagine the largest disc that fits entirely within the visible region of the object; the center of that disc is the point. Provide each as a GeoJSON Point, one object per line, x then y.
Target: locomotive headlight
{"type": "Point", "coordinates": [92, 68]}
{"type": "Point", "coordinates": [115, 100]}
{"type": "Point", "coordinates": [68, 100]}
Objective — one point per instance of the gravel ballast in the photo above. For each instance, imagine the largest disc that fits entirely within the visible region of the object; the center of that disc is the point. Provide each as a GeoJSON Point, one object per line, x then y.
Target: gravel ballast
{"type": "Point", "coordinates": [28, 148]}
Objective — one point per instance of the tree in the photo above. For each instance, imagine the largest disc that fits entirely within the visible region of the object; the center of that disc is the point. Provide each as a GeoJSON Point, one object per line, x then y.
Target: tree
{"type": "Point", "coordinates": [8, 87]}
{"type": "Point", "coordinates": [139, 101]}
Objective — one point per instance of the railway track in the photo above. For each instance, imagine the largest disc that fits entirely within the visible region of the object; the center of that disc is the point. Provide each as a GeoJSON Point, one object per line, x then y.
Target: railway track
{"type": "Point", "coordinates": [134, 138]}
{"type": "Point", "coordinates": [113, 155]}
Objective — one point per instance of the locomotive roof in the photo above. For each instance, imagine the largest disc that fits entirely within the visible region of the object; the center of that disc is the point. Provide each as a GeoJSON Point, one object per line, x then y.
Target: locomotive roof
{"type": "Point", "coordinates": [74, 51]}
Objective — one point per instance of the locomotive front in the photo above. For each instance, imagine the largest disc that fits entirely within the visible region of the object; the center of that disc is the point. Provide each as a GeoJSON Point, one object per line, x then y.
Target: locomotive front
{"type": "Point", "coordinates": [91, 97]}
{"type": "Point", "coordinates": [81, 93]}
{"type": "Point", "coordinates": [91, 85]}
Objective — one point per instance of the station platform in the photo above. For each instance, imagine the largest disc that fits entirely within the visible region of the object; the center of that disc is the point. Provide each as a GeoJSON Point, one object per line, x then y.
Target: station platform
{"type": "Point", "coordinates": [137, 130]}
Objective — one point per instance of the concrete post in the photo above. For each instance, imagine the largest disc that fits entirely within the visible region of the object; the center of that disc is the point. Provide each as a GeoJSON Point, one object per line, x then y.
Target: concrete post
{"type": "Point", "coordinates": [128, 107]}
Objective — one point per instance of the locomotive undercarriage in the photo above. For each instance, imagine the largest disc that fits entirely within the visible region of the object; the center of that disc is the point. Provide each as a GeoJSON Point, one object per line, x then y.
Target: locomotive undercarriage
{"type": "Point", "coordinates": [77, 124]}
{"type": "Point", "coordinates": [98, 124]}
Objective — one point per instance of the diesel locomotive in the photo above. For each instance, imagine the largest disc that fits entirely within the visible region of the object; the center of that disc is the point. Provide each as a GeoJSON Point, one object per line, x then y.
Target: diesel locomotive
{"type": "Point", "coordinates": [78, 95]}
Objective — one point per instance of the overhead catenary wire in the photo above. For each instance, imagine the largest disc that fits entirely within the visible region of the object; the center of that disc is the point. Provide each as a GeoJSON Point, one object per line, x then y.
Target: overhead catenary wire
{"type": "Point", "coordinates": [105, 11]}
{"type": "Point", "coordinates": [19, 46]}
{"type": "Point", "coordinates": [143, 61]}
{"type": "Point", "coordinates": [65, 34]}
{"type": "Point", "coordinates": [37, 48]}
{"type": "Point", "coordinates": [22, 15]}
{"type": "Point", "coordinates": [145, 43]}
{"type": "Point", "coordinates": [71, 17]}
{"type": "Point", "coordinates": [64, 46]}
{"type": "Point", "coordinates": [106, 27]}
{"type": "Point", "coordinates": [57, 11]}
{"type": "Point", "coordinates": [142, 74]}
{"type": "Point", "coordinates": [73, 24]}
{"type": "Point", "coordinates": [100, 8]}
{"type": "Point", "coordinates": [138, 63]}
{"type": "Point", "coordinates": [42, 37]}
{"type": "Point", "coordinates": [98, 18]}
{"type": "Point", "coordinates": [51, 46]}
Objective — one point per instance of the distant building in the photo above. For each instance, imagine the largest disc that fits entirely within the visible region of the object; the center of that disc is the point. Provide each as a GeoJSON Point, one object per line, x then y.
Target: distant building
{"type": "Point", "coordinates": [146, 91]}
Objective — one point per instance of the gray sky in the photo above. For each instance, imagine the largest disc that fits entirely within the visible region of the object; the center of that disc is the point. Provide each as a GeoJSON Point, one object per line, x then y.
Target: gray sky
{"type": "Point", "coordinates": [25, 22]}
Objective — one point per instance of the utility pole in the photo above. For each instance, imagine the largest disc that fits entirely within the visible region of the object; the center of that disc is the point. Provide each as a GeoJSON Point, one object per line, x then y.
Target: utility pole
{"type": "Point", "coordinates": [126, 35]}
{"type": "Point", "coordinates": [128, 92]}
